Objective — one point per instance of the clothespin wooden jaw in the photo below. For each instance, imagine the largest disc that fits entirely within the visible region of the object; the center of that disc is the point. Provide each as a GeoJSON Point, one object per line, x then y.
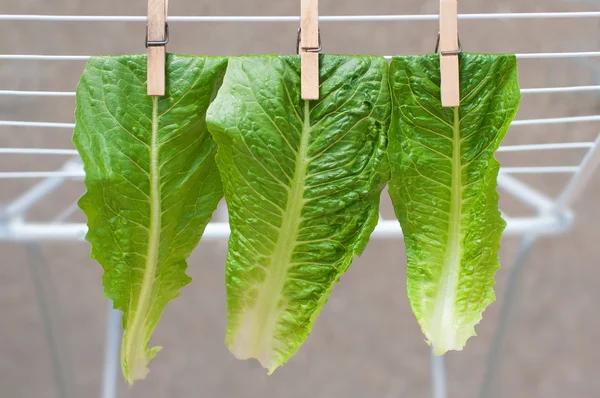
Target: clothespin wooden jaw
{"type": "Point", "coordinates": [449, 48]}
{"type": "Point", "coordinates": [156, 42]}
{"type": "Point", "coordinates": [309, 47]}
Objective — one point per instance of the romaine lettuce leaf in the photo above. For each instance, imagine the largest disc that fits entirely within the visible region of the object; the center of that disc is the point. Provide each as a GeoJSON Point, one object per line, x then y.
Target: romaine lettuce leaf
{"type": "Point", "coordinates": [302, 181]}
{"type": "Point", "coordinates": [443, 187]}
{"type": "Point", "coordinates": [152, 183]}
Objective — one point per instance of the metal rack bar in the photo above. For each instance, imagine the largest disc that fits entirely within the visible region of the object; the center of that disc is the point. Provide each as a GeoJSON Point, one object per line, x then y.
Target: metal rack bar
{"type": "Point", "coordinates": [38, 151]}
{"type": "Point", "coordinates": [540, 90]}
{"type": "Point", "coordinates": [438, 375]}
{"type": "Point", "coordinates": [557, 120]}
{"type": "Point", "coordinates": [549, 90]}
{"type": "Point", "coordinates": [42, 174]}
{"type": "Point", "coordinates": [39, 57]}
{"type": "Point", "coordinates": [525, 193]}
{"type": "Point", "coordinates": [52, 125]}
{"type": "Point", "coordinates": [588, 166]}
{"type": "Point", "coordinates": [539, 170]}
{"type": "Point", "coordinates": [81, 174]}
{"type": "Point", "coordinates": [45, 57]}
{"type": "Point", "coordinates": [66, 213]}
{"type": "Point", "coordinates": [506, 148]}
{"type": "Point", "coordinates": [22, 93]}
{"type": "Point", "coordinates": [21, 231]}
{"type": "Point", "coordinates": [39, 191]}
{"type": "Point", "coordinates": [336, 18]}
{"type": "Point", "coordinates": [112, 344]}
{"type": "Point", "coordinates": [523, 122]}
{"type": "Point", "coordinates": [539, 147]}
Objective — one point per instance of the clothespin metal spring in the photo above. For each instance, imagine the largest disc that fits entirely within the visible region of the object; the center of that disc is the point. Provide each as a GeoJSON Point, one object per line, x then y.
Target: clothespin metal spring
{"type": "Point", "coordinates": [158, 43]}
{"type": "Point", "coordinates": [452, 52]}
{"type": "Point", "coordinates": [308, 50]}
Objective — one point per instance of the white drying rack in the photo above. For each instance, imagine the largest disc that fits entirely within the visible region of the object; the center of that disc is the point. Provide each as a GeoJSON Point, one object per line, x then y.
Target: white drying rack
{"type": "Point", "coordinates": [552, 215]}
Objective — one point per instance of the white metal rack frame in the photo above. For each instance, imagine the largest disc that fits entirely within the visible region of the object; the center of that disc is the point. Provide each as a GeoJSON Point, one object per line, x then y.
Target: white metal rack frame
{"type": "Point", "coordinates": [552, 215]}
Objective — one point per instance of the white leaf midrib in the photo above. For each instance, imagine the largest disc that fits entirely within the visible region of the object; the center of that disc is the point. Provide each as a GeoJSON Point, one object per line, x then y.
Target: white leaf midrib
{"type": "Point", "coordinates": [263, 317]}
{"type": "Point", "coordinates": [444, 314]}
{"type": "Point", "coordinates": [135, 345]}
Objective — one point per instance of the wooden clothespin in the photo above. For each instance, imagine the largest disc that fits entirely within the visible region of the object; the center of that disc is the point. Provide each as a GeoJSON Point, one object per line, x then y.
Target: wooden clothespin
{"type": "Point", "coordinates": [449, 48]}
{"type": "Point", "coordinates": [310, 45]}
{"type": "Point", "coordinates": [156, 42]}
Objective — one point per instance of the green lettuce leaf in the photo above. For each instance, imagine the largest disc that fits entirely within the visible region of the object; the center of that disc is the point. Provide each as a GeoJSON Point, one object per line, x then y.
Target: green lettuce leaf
{"type": "Point", "coordinates": [443, 187]}
{"type": "Point", "coordinates": [152, 184]}
{"type": "Point", "coordinates": [302, 181]}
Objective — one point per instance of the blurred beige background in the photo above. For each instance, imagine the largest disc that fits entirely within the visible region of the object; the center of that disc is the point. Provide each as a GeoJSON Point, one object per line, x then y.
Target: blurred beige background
{"type": "Point", "coordinates": [366, 342]}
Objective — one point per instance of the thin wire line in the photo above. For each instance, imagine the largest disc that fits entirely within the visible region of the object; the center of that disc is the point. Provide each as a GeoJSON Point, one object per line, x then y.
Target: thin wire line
{"type": "Point", "coordinates": [569, 89]}
{"type": "Point", "coordinates": [38, 192]}
{"type": "Point", "coordinates": [542, 147]}
{"type": "Point", "coordinates": [29, 57]}
{"type": "Point", "coordinates": [587, 168]}
{"type": "Point", "coordinates": [66, 213]}
{"type": "Point", "coordinates": [38, 151]}
{"type": "Point", "coordinates": [557, 120]}
{"type": "Point", "coordinates": [38, 93]}
{"type": "Point", "coordinates": [540, 170]}
{"type": "Point", "coordinates": [41, 174]}
{"type": "Point", "coordinates": [332, 18]}
{"type": "Point", "coordinates": [524, 122]}
{"type": "Point", "coordinates": [37, 124]}
{"type": "Point", "coordinates": [540, 90]}
{"type": "Point", "coordinates": [26, 57]}
{"type": "Point", "coordinates": [558, 55]}
{"type": "Point", "coordinates": [80, 173]}
{"type": "Point", "coordinates": [506, 148]}
{"type": "Point", "coordinates": [583, 54]}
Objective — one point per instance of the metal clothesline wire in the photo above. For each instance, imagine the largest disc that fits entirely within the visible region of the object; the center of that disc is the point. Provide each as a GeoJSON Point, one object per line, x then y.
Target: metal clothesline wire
{"type": "Point", "coordinates": [38, 57]}
{"type": "Point", "coordinates": [81, 174]}
{"type": "Point", "coordinates": [26, 93]}
{"type": "Point", "coordinates": [506, 148]}
{"type": "Point", "coordinates": [522, 122]}
{"type": "Point", "coordinates": [538, 90]}
{"type": "Point", "coordinates": [331, 18]}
